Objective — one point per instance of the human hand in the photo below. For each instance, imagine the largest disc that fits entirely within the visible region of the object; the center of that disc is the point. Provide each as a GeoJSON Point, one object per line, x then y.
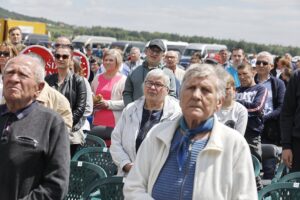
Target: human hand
{"type": "Point", "coordinates": [102, 104]}
{"type": "Point", "coordinates": [287, 157]}
{"type": "Point", "coordinates": [127, 167]}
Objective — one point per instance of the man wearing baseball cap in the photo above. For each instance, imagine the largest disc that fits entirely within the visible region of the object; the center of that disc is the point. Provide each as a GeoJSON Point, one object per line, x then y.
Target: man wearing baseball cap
{"type": "Point", "coordinates": [134, 82]}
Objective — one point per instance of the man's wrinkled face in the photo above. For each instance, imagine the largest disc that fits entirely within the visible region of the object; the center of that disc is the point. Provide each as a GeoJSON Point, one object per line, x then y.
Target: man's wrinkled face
{"type": "Point", "coordinates": [19, 83]}
{"type": "Point", "coordinates": [171, 59]}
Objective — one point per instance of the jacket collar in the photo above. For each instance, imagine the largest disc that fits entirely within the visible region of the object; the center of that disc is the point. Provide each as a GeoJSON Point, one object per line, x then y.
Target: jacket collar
{"type": "Point", "coordinates": [168, 110]}
{"type": "Point", "coordinates": [214, 143]}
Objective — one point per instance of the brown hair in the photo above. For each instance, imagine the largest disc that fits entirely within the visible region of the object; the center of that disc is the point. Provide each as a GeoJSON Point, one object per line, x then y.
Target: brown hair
{"type": "Point", "coordinates": [285, 63]}
{"type": "Point", "coordinates": [13, 51]}
{"type": "Point", "coordinates": [14, 28]}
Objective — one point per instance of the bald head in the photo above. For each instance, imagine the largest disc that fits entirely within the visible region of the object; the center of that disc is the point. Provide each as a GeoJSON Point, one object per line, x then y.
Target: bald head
{"type": "Point", "coordinates": [63, 40]}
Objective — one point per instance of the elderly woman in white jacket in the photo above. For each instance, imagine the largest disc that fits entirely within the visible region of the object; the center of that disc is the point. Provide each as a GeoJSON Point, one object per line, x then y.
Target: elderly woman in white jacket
{"type": "Point", "coordinates": [139, 117]}
{"type": "Point", "coordinates": [194, 156]}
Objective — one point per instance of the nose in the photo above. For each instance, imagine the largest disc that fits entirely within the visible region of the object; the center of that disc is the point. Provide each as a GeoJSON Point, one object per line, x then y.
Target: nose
{"type": "Point", "coordinates": [197, 94]}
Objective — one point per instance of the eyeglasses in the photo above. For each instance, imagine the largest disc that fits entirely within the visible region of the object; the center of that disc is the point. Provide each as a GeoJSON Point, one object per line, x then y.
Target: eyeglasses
{"type": "Point", "coordinates": [259, 62]}
{"type": "Point", "coordinates": [4, 53]}
{"type": "Point", "coordinates": [58, 56]}
{"type": "Point", "coordinates": [149, 84]}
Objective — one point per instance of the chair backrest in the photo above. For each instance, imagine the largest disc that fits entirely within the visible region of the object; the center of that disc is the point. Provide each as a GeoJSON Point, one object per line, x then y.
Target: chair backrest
{"type": "Point", "coordinates": [284, 191]}
{"type": "Point", "coordinates": [81, 175]}
{"type": "Point", "coordinates": [291, 177]}
{"type": "Point", "coordinates": [256, 165]}
{"type": "Point", "coordinates": [109, 188]}
{"type": "Point", "coordinates": [280, 172]}
{"type": "Point", "coordinates": [92, 141]}
{"type": "Point", "coordinates": [99, 156]}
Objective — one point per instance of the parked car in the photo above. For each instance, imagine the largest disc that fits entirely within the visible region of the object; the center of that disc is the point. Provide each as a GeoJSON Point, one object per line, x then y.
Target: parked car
{"type": "Point", "coordinates": [82, 41]}
{"type": "Point", "coordinates": [32, 39]}
{"type": "Point", "coordinates": [204, 50]}
{"type": "Point", "coordinates": [125, 47]}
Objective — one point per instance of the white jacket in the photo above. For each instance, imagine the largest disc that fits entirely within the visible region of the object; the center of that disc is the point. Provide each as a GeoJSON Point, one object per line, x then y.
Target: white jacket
{"type": "Point", "coordinates": [224, 167]}
{"type": "Point", "coordinates": [123, 137]}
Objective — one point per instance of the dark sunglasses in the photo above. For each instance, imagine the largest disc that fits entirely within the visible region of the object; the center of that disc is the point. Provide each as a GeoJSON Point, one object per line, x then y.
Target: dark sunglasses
{"type": "Point", "coordinates": [259, 62]}
{"type": "Point", "coordinates": [58, 56]}
{"type": "Point", "coordinates": [4, 54]}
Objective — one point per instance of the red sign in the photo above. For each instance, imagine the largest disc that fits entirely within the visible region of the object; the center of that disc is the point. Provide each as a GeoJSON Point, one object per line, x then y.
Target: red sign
{"type": "Point", "coordinates": [45, 56]}
{"type": "Point", "coordinates": [85, 64]}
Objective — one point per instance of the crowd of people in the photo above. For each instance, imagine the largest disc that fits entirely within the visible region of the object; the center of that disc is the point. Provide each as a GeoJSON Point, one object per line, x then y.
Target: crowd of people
{"type": "Point", "coordinates": [174, 133]}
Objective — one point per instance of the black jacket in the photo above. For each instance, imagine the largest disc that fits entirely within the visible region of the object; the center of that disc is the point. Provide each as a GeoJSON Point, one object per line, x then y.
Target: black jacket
{"type": "Point", "coordinates": [74, 90]}
{"type": "Point", "coordinates": [271, 130]}
{"type": "Point", "coordinates": [35, 157]}
{"type": "Point", "coordinates": [290, 113]}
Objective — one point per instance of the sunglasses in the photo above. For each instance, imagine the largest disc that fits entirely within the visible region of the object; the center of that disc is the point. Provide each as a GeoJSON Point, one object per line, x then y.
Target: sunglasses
{"type": "Point", "coordinates": [259, 62]}
{"type": "Point", "coordinates": [4, 54]}
{"type": "Point", "coordinates": [58, 56]}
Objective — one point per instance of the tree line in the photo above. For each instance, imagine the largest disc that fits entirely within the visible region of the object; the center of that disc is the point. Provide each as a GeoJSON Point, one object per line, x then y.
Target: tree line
{"type": "Point", "coordinates": [59, 28]}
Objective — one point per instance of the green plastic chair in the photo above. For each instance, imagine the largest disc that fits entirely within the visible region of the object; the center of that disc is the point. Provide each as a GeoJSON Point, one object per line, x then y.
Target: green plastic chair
{"type": "Point", "coordinates": [280, 191]}
{"type": "Point", "coordinates": [256, 165]}
{"type": "Point", "coordinates": [280, 172]}
{"type": "Point", "coordinates": [92, 141]}
{"type": "Point", "coordinates": [291, 177]}
{"type": "Point", "coordinates": [99, 156]}
{"type": "Point", "coordinates": [110, 188]}
{"type": "Point", "coordinates": [82, 174]}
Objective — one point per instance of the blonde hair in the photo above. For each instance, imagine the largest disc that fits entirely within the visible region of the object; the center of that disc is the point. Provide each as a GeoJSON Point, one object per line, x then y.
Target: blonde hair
{"type": "Point", "coordinates": [116, 54]}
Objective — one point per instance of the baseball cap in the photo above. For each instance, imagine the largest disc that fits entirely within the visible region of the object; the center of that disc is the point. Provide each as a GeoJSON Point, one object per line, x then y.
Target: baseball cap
{"type": "Point", "coordinates": [158, 43]}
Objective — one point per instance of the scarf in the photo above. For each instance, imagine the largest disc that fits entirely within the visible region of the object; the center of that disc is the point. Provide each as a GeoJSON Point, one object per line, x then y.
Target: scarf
{"type": "Point", "coordinates": [183, 149]}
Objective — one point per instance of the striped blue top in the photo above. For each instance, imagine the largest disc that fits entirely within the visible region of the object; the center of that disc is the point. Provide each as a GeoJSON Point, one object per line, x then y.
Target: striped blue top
{"type": "Point", "coordinates": [172, 183]}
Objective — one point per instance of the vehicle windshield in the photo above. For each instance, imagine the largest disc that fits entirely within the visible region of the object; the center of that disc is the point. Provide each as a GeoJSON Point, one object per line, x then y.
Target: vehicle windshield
{"type": "Point", "coordinates": [117, 46]}
{"type": "Point", "coordinates": [78, 45]}
{"type": "Point", "coordinates": [190, 52]}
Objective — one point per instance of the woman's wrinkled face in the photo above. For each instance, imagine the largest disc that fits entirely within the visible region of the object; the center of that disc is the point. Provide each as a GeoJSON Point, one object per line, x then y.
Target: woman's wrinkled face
{"type": "Point", "coordinates": [155, 89]}
{"type": "Point", "coordinates": [198, 99]}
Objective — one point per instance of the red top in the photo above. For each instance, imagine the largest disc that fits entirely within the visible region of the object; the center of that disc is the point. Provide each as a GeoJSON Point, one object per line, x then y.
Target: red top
{"type": "Point", "coordinates": [105, 117]}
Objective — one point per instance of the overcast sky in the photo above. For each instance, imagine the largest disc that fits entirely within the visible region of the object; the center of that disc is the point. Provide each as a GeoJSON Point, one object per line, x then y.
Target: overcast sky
{"type": "Point", "coordinates": [260, 21]}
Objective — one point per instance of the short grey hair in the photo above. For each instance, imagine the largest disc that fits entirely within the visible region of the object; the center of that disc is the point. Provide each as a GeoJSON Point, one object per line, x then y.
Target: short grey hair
{"type": "Point", "coordinates": [135, 49]}
{"type": "Point", "coordinates": [205, 70]}
{"type": "Point", "coordinates": [159, 73]}
{"type": "Point", "coordinates": [36, 65]}
{"type": "Point", "coordinates": [267, 55]}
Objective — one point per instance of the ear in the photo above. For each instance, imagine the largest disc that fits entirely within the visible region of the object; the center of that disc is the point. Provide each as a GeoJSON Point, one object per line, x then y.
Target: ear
{"type": "Point", "coordinates": [219, 104]}
{"type": "Point", "coordinates": [40, 88]}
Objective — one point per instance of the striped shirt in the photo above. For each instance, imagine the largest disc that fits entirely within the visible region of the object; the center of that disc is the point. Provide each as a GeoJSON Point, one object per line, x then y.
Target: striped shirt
{"type": "Point", "coordinates": [172, 183]}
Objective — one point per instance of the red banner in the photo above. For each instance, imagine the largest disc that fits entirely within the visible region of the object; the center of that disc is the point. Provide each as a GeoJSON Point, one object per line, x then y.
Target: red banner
{"type": "Point", "coordinates": [48, 59]}
{"type": "Point", "coordinates": [85, 64]}
{"type": "Point", "coordinates": [45, 56]}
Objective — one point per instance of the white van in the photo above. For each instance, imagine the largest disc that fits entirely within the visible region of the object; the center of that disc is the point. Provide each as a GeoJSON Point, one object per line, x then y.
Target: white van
{"type": "Point", "coordinates": [204, 49]}
{"type": "Point", "coordinates": [172, 46]}
{"type": "Point", "coordinates": [82, 41]}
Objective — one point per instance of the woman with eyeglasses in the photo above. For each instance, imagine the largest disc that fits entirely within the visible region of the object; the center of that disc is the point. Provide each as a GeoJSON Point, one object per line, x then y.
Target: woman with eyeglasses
{"type": "Point", "coordinates": [7, 52]}
{"type": "Point", "coordinates": [140, 116]}
{"type": "Point", "coordinates": [108, 100]}
{"type": "Point", "coordinates": [72, 86]}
